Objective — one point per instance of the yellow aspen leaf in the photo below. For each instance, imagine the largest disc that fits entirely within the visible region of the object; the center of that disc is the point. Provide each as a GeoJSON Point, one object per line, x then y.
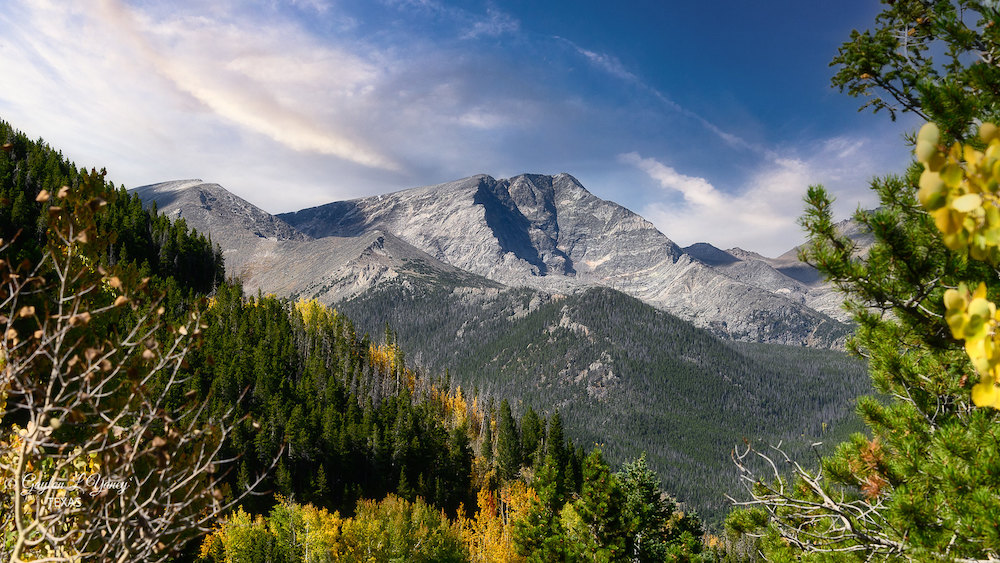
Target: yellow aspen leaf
{"type": "Point", "coordinates": [933, 192]}
{"type": "Point", "coordinates": [947, 222]}
{"type": "Point", "coordinates": [980, 292]}
{"type": "Point", "coordinates": [952, 175]}
{"type": "Point", "coordinates": [988, 132]}
{"type": "Point", "coordinates": [929, 133]}
{"type": "Point", "coordinates": [986, 394]}
{"type": "Point", "coordinates": [967, 203]}
{"type": "Point", "coordinates": [925, 150]}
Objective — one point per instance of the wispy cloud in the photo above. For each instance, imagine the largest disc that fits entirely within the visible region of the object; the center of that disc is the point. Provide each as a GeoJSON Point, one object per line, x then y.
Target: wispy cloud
{"type": "Point", "coordinates": [696, 191]}
{"type": "Point", "coordinates": [245, 78]}
{"type": "Point", "coordinates": [495, 24]}
{"type": "Point", "coordinates": [613, 66]}
{"type": "Point", "coordinates": [761, 214]}
{"type": "Point", "coordinates": [472, 25]}
{"type": "Point", "coordinates": [608, 63]}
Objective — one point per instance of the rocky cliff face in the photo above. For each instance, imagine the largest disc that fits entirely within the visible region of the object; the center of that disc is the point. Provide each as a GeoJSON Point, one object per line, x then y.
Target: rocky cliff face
{"type": "Point", "coordinates": [550, 233]}
{"type": "Point", "coordinates": [541, 228]}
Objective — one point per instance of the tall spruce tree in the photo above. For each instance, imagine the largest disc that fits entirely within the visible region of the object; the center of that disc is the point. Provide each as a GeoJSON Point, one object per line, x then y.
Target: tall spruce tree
{"type": "Point", "coordinates": [600, 508]}
{"type": "Point", "coordinates": [538, 533]}
{"type": "Point", "coordinates": [508, 444]}
{"type": "Point", "coordinates": [532, 431]}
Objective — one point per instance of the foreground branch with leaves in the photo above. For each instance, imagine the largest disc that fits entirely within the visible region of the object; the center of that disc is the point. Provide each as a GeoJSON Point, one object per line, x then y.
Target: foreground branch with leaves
{"type": "Point", "coordinates": [106, 450]}
{"type": "Point", "coordinates": [921, 484]}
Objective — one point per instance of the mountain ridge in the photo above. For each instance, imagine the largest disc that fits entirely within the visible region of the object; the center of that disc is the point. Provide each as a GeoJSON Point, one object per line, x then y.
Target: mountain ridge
{"type": "Point", "coordinates": [273, 257]}
{"type": "Point", "coordinates": [551, 234]}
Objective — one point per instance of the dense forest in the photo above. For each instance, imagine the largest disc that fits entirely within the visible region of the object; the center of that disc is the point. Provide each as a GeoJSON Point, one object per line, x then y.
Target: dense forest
{"type": "Point", "coordinates": [183, 260]}
{"type": "Point", "coordinates": [348, 448]}
{"type": "Point", "coordinates": [627, 376]}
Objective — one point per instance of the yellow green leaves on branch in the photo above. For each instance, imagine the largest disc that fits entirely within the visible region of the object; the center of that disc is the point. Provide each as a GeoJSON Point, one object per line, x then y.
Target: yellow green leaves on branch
{"type": "Point", "coordinates": [959, 187]}
{"type": "Point", "coordinates": [974, 318]}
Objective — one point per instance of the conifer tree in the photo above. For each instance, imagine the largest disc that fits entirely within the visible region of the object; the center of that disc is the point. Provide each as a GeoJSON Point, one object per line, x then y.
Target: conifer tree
{"type": "Point", "coordinates": [538, 533]}
{"type": "Point", "coordinates": [600, 507]}
{"type": "Point", "coordinates": [647, 511]}
{"type": "Point", "coordinates": [508, 444]}
{"type": "Point", "coordinates": [923, 484]}
{"type": "Point", "coordinates": [531, 435]}
{"type": "Point", "coordinates": [555, 442]}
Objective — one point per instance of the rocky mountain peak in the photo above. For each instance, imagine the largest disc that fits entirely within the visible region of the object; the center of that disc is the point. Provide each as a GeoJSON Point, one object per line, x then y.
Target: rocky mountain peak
{"type": "Point", "coordinates": [543, 232]}
{"type": "Point", "coordinates": [708, 254]}
{"type": "Point", "coordinates": [205, 205]}
{"type": "Point", "coordinates": [548, 229]}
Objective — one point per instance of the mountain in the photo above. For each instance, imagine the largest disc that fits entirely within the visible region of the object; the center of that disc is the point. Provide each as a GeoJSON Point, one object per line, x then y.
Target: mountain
{"type": "Point", "coordinates": [271, 256]}
{"type": "Point", "coordinates": [551, 234]}
{"type": "Point", "coordinates": [620, 370]}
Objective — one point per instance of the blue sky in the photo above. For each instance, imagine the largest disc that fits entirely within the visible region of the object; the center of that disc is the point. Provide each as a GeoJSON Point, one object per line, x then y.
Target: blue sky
{"type": "Point", "coordinates": [710, 119]}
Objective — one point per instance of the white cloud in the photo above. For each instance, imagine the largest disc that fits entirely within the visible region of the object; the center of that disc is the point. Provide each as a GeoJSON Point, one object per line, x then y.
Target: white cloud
{"type": "Point", "coordinates": [760, 215]}
{"type": "Point", "coordinates": [318, 6]}
{"type": "Point", "coordinates": [608, 63]}
{"type": "Point", "coordinates": [495, 24]}
{"type": "Point", "coordinates": [246, 77]}
{"type": "Point", "coordinates": [696, 191]}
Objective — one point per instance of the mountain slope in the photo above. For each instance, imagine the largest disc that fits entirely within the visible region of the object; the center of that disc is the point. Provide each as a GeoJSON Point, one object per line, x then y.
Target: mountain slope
{"type": "Point", "coordinates": [271, 256]}
{"type": "Point", "coordinates": [550, 233]}
{"type": "Point", "coordinates": [624, 374]}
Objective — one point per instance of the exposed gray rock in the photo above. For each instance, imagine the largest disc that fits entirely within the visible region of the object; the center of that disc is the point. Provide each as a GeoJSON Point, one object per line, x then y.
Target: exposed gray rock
{"type": "Point", "coordinates": [271, 256]}
{"type": "Point", "coordinates": [550, 233]}
{"type": "Point", "coordinates": [799, 280]}
{"type": "Point", "coordinates": [710, 255]}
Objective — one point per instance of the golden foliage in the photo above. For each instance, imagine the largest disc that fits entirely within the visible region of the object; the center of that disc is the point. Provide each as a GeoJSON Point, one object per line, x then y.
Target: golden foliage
{"type": "Point", "coordinates": [959, 187]}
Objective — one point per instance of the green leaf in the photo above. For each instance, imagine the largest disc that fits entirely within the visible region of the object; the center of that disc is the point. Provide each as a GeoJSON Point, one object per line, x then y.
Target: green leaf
{"type": "Point", "coordinates": [952, 175]}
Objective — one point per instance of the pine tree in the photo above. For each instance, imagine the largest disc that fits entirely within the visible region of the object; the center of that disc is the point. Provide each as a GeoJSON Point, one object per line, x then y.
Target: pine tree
{"type": "Point", "coordinates": [922, 485]}
{"type": "Point", "coordinates": [538, 533]}
{"type": "Point", "coordinates": [532, 433]}
{"type": "Point", "coordinates": [657, 531]}
{"type": "Point", "coordinates": [508, 444]}
{"type": "Point", "coordinates": [600, 507]}
{"type": "Point", "coordinates": [555, 442]}
{"type": "Point", "coordinates": [933, 59]}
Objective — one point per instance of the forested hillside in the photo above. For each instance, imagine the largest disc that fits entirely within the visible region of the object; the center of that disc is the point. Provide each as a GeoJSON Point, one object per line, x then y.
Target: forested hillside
{"type": "Point", "coordinates": [626, 376]}
{"type": "Point", "coordinates": [159, 247]}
